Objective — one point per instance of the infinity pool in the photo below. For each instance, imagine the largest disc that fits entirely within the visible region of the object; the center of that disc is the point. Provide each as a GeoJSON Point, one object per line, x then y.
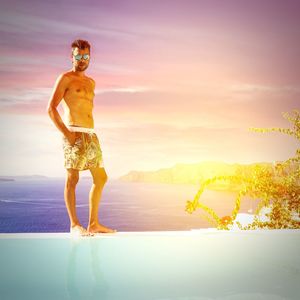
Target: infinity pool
{"type": "Point", "coordinates": [197, 264]}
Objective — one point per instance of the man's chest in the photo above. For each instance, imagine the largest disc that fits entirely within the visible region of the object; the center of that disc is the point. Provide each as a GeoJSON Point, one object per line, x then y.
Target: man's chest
{"type": "Point", "coordinates": [80, 89]}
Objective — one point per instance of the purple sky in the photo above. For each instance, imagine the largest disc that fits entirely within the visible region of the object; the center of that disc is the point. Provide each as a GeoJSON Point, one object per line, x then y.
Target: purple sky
{"type": "Point", "coordinates": [175, 80]}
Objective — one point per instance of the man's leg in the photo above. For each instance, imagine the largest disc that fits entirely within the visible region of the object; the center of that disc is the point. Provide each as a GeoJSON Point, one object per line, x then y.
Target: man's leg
{"type": "Point", "coordinates": [70, 200]}
{"type": "Point", "coordinates": [99, 180]}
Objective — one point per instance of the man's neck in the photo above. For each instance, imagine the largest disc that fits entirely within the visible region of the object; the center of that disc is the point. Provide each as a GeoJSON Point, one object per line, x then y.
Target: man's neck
{"type": "Point", "coordinates": [78, 73]}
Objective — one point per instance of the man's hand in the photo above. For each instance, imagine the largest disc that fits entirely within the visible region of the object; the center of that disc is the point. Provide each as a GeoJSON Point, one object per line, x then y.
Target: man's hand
{"type": "Point", "coordinates": [71, 137]}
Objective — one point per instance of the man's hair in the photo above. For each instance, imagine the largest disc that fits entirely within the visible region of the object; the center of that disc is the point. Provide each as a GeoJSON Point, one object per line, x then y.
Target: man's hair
{"type": "Point", "coordinates": [80, 44]}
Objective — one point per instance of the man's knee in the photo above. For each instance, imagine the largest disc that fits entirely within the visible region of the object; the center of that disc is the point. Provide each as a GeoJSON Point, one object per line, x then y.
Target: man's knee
{"type": "Point", "coordinates": [72, 177]}
{"type": "Point", "coordinates": [100, 179]}
{"type": "Point", "coordinates": [104, 177]}
{"type": "Point", "coordinates": [99, 176]}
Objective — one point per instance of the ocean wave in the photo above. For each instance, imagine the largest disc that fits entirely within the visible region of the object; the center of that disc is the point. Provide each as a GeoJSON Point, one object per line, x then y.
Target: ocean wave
{"type": "Point", "coordinates": [44, 203]}
{"type": "Point", "coordinates": [24, 202]}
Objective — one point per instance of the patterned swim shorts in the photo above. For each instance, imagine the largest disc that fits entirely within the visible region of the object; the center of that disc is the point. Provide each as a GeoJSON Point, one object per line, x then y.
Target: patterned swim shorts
{"type": "Point", "coordinates": [86, 153]}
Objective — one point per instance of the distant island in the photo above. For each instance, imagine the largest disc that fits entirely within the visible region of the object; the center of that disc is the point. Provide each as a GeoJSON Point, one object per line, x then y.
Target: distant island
{"type": "Point", "coordinates": [194, 174]}
{"type": "Point", "coordinates": [22, 177]}
{"type": "Point", "coordinates": [6, 179]}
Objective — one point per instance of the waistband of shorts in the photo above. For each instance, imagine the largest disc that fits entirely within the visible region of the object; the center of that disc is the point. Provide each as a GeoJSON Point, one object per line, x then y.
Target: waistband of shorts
{"type": "Point", "coordinates": [81, 129]}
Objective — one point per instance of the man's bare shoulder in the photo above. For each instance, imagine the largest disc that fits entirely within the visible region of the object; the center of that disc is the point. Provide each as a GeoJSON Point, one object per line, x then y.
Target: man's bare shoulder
{"type": "Point", "coordinates": [63, 78]}
{"type": "Point", "coordinates": [67, 75]}
{"type": "Point", "coordinates": [92, 81]}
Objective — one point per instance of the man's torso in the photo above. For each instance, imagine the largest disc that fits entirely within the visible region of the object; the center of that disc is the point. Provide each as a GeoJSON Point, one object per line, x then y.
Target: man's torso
{"type": "Point", "coordinates": [78, 101]}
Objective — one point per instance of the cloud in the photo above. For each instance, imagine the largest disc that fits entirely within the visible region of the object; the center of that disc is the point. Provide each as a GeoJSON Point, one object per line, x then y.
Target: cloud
{"type": "Point", "coordinates": [128, 89]}
{"type": "Point", "coordinates": [40, 94]}
{"type": "Point", "coordinates": [24, 96]}
{"type": "Point", "coordinates": [256, 88]}
{"type": "Point", "coordinates": [14, 22]}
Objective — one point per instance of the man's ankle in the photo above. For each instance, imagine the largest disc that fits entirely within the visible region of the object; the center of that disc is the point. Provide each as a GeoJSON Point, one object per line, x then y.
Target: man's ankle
{"type": "Point", "coordinates": [91, 224]}
{"type": "Point", "coordinates": [73, 224]}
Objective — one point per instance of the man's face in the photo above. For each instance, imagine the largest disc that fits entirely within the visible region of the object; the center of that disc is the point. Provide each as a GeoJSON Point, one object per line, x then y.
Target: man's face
{"type": "Point", "coordinates": [82, 64]}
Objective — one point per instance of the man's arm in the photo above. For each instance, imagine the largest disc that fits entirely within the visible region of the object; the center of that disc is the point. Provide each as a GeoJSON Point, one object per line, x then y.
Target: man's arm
{"type": "Point", "coordinates": [57, 95]}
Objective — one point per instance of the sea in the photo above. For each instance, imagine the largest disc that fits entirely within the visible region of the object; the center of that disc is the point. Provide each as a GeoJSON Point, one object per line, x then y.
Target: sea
{"type": "Point", "coordinates": [38, 205]}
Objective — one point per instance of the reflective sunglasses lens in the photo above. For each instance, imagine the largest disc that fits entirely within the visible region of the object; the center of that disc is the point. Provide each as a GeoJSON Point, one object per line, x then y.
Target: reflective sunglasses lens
{"type": "Point", "coordinates": [78, 57]}
{"type": "Point", "coordinates": [86, 56]}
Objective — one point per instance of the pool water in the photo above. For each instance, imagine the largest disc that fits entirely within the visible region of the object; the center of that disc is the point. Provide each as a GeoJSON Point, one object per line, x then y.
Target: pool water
{"type": "Point", "coordinates": [195, 264]}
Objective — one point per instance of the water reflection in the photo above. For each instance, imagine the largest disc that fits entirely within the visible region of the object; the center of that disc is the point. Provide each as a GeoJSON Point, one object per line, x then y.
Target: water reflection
{"type": "Point", "coordinates": [84, 264]}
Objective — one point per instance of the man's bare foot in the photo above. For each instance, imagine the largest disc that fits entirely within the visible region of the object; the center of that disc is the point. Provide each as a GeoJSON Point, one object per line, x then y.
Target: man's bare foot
{"type": "Point", "coordinates": [99, 228]}
{"type": "Point", "coordinates": [79, 230]}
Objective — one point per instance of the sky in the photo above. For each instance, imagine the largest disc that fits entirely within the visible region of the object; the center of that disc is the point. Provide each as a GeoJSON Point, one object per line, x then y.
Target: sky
{"type": "Point", "coordinates": [176, 81]}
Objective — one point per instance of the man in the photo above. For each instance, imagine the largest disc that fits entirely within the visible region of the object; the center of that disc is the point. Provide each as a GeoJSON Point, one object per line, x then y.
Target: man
{"type": "Point", "coordinates": [79, 141]}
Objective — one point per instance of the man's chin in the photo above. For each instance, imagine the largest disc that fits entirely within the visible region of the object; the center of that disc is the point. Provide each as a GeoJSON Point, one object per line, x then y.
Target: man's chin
{"type": "Point", "coordinates": [83, 68]}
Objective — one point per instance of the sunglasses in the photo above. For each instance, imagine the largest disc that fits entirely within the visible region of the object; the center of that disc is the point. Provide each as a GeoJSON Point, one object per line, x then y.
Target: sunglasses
{"type": "Point", "coordinates": [80, 56]}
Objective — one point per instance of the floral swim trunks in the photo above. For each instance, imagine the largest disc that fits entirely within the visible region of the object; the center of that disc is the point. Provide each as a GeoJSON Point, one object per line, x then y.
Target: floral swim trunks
{"type": "Point", "coordinates": [86, 153]}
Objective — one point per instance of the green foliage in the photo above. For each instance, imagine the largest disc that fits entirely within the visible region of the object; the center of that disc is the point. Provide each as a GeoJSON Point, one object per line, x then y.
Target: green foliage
{"type": "Point", "coordinates": [277, 187]}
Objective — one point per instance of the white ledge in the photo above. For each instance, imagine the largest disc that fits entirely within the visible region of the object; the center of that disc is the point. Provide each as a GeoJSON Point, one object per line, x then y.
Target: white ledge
{"type": "Point", "coordinates": [192, 232]}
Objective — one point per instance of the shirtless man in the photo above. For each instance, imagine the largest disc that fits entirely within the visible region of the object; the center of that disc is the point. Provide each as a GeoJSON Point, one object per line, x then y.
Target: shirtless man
{"type": "Point", "coordinates": [80, 143]}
